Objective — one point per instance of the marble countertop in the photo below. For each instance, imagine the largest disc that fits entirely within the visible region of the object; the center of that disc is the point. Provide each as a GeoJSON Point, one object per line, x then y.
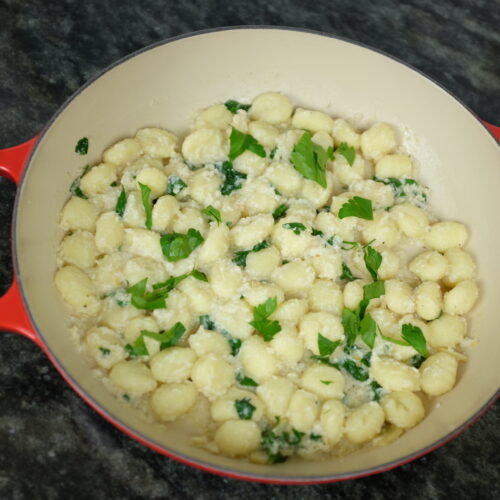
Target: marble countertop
{"type": "Point", "coordinates": [51, 444]}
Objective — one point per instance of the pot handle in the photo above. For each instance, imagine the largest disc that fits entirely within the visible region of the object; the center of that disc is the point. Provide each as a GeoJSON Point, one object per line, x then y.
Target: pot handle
{"type": "Point", "coordinates": [13, 315]}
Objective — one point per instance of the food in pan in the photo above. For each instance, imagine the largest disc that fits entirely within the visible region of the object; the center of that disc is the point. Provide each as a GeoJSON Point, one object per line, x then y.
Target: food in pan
{"type": "Point", "coordinates": [275, 275]}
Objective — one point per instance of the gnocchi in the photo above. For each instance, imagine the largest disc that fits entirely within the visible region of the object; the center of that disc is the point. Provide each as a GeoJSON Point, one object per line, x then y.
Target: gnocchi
{"type": "Point", "coordinates": [275, 275]}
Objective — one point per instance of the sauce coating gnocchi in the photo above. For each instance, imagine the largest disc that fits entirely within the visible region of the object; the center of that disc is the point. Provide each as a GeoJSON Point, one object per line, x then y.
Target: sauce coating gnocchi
{"type": "Point", "coordinates": [275, 273]}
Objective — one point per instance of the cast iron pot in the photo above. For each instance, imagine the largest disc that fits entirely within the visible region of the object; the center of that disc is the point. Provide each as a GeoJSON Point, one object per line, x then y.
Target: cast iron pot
{"type": "Point", "coordinates": [162, 85]}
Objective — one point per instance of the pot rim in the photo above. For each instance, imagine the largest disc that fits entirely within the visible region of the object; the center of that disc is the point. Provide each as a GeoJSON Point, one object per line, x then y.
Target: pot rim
{"type": "Point", "coordinates": [138, 436]}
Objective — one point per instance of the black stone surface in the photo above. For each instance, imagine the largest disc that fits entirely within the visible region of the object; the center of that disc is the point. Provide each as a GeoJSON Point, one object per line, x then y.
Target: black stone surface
{"type": "Point", "coordinates": [51, 444]}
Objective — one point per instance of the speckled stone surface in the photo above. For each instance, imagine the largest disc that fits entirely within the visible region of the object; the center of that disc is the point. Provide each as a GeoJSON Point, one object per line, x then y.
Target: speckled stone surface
{"type": "Point", "coordinates": [51, 444]}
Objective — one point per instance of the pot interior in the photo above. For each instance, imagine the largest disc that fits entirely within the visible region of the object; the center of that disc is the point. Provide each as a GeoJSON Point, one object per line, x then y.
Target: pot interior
{"type": "Point", "coordinates": [164, 85]}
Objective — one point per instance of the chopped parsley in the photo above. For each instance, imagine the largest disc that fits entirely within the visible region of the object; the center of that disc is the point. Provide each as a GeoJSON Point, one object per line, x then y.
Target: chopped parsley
{"type": "Point", "coordinates": [166, 339]}
{"type": "Point", "coordinates": [121, 203]}
{"type": "Point", "coordinates": [175, 185]}
{"type": "Point", "coordinates": [212, 212]}
{"type": "Point", "coordinates": [347, 152]}
{"type": "Point", "coordinates": [357, 207]}
{"type": "Point", "coordinates": [326, 382]}
{"type": "Point", "coordinates": [240, 142]}
{"type": "Point", "coordinates": [244, 408]}
{"type": "Point", "coordinates": [279, 446]}
{"type": "Point", "coordinates": [296, 227]}
{"type": "Point", "coordinates": [346, 273]}
{"type": "Point", "coordinates": [280, 212]}
{"type": "Point", "coordinates": [261, 322]}
{"type": "Point", "coordinates": [376, 390]}
{"type": "Point", "coordinates": [273, 152]}
{"type": "Point", "coordinates": [355, 371]}
{"type": "Point", "coordinates": [105, 351]}
{"type": "Point", "coordinates": [235, 106]}
{"type": "Point", "coordinates": [246, 381]}
{"type": "Point", "coordinates": [404, 187]}
{"type": "Point", "coordinates": [145, 193]}
{"type": "Point", "coordinates": [177, 246]}
{"type": "Point", "coordinates": [309, 159]}
{"type": "Point", "coordinates": [373, 260]}
{"type": "Point", "coordinates": [240, 258]}
{"type": "Point", "coordinates": [75, 185]}
{"type": "Point", "coordinates": [82, 146]}
{"type": "Point", "coordinates": [414, 336]}
{"type": "Point", "coordinates": [368, 330]}
{"type": "Point", "coordinates": [199, 275]}
{"type": "Point", "coordinates": [326, 346]}
{"type": "Point", "coordinates": [148, 300]}
{"type": "Point", "coordinates": [207, 323]}
{"type": "Point", "coordinates": [232, 178]}
{"type": "Point", "coordinates": [417, 360]}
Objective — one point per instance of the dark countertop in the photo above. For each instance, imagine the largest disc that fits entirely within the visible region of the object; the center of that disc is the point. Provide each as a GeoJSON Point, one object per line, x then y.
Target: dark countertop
{"type": "Point", "coordinates": [51, 444]}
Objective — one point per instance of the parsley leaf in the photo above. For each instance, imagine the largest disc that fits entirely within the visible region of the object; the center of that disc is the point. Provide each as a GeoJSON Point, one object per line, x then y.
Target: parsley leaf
{"type": "Point", "coordinates": [351, 323]}
{"type": "Point", "coordinates": [309, 159]}
{"type": "Point", "coordinates": [207, 323]}
{"type": "Point", "coordinates": [240, 258]}
{"type": "Point", "coordinates": [376, 390]}
{"type": "Point", "coordinates": [346, 273]}
{"type": "Point", "coordinates": [315, 437]}
{"type": "Point", "coordinates": [147, 300]}
{"type": "Point", "coordinates": [82, 146]}
{"type": "Point", "coordinates": [326, 346]}
{"type": "Point", "coordinates": [121, 203]}
{"type": "Point", "coordinates": [347, 152]}
{"type": "Point", "coordinates": [138, 348]}
{"type": "Point", "coordinates": [373, 260]}
{"type": "Point", "coordinates": [105, 351]}
{"type": "Point", "coordinates": [404, 187]}
{"type": "Point", "coordinates": [417, 360]}
{"type": "Point", "coordinates": [273, 152]}
{"type": "Point", "coordinates": [280, 212]}
{"type": "Point", "coordinates": [244, 408]}
{"type": "Point", "coordinates": [246, 381]}
{"type": "Point", "coordinates": [177, 246]}
{"type": "Point", "coordinates": [357, 207]}
{"type": "Point", "coordinates": [145, 192]}
{"type": "Point", "coordinates": [199, 275]}
{"type": "Point", "coordinates": [175, 185]}
{"type": "Point", "coordinates": [212, 212]}
{"type": "Point", "coordinates": [166, 339]}
{"type": "Point", "coordinates": [75, 185]}
{"type": "Point", "coordinates": [355, 371]}
{"type": "Point", "coordinates": [240, 142]}
{"type": "Point", "coordinates": [235, 106]}
{"type": "Point", "coordinates": [326, 382]}
{"type": "Point", "coordinates": [368, 330]}
{"type": "Point", "coordinates": [414, 336]}
{"type": "Point", "coordinates": [232, 178]}
{"type": "Point", "coordinates": [371, 291]}
{"type": "Point", "coordinates": [296, 227]}
{"type": "Point", "coordinates": [261, 323]}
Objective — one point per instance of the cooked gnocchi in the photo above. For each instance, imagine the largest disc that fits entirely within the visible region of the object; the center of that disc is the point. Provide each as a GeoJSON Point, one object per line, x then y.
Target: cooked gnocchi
{"type": "Point", "coordinates": [275, 274]}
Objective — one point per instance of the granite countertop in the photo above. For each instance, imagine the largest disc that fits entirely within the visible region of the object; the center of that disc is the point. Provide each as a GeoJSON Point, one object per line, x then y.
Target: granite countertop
{"type": "Point", "coordinates": [52, 445]}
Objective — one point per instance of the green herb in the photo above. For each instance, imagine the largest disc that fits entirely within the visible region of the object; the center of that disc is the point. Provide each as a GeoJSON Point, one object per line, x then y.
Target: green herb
{"type": "Point", "coordinates": [261, 323]}
{"type": "Point", "coordinates": [212, 212]}
{"type": "Point", "coordinates": [296, 227]}
{"type": "Point", "coordinates": [280, 212]}
{"type": "Point", "coordinates": [417, 360]}
{"type": "Point", "coordinates": [351, 324]}
{"type": "Point", "coordinates": [273, 152]}
{"type": "Point", "coordinates": [246, 381]}
{"type": "Point", "coordinates": [356, 372]}
{"type": "Point", "coordinates": [317, 232]}
{"type": "Point", "coordinates": [177, 246]}
{"type": "Point", "coordinates": [232, 178]}
{"type": "Point", "coordinates": [329, 153]}
{"type": "Point", "coordinates": [126, 397]}
{"type": "Point", "coordinates": [235, 106]}
{"type": "Point", "coordinates": [414, 336]}
{"type": "Point", "coordinates": [392, 340]}
{"type": "Point", "coordinates": [75, 185]}
{"type": "Point", "coordinates": [229, 223]}
{"type": "Point", "coordinates": [147, 300]}
{"type": "Point", "coordinates": [376, 390]}
{"type": "Point", "coordinates": [272, 445]}
{"type": "Point", "coordinates": [357, 207]}
{"type": "Point", "coordinates": [175, 185]}
{"type": "Point", "coordinates": [402, 186]}
{"type": "Point", "coordinates": [371, 291]}
{"type": "Point", "coordinates": [244, 408]}
{"type": "Point", "coordinates": [105, 351]}
{"type": "Point", "coordinates": [326, 382]}
{"type": "Point", "coordinates": [121, 303]}
{"type": "Point", "coordinates": [114, 184]}
{"type": "Point", "coordinates": [347, 152]}
{"type": "Point", "coordinates": [145, 192]}
{"type": "Point", "coordinates": [368, 330]}
{"type": "Point", "coordinates": [276, 192]}
{"type": "Point", "coordinates": [309, 159]}
{"type": "Point", "coordinates": [166, 339]}
{"type": "Point", "coordinates": [373, 260]}
{"type": "Point", "coordinates": [349, 245]}
{"type": "Point", "coordinates": [326, 346]}
{"type": "Point", "coordinates": [293, 438]}
{"type": "Point", "coordinates": [367, 359]}
{"type": "Point", "coordinates": [346, 273]}
{"type": "Point", "coordinates": [199, 275]}
{"type": "Point", "coordinates": [208, 324]}
{"type": "Point", "coordinates": [82, 146]}
{"type": "Point", "coordinates": [240, 142]}
{"type": "Point", "coordinates": [240, 258]}
{"type": "Point", "coordinates": [315, 437]}
{"type": "Point", "coordinates": [121, 203]}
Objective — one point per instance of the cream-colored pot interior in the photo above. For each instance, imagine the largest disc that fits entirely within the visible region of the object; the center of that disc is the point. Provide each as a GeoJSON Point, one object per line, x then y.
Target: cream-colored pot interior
{"type": "Point", "coordinates": [162, 86]}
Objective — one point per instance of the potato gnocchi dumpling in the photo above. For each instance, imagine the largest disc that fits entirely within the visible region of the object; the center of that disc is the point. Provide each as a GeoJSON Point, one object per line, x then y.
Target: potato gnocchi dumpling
{"type": "Point", "coordinates": [273, 278]}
